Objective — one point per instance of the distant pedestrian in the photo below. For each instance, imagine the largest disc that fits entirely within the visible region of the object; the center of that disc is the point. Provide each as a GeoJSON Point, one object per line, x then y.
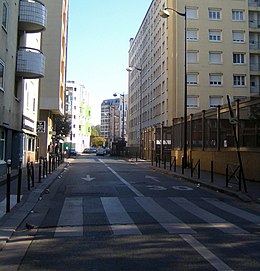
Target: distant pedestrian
{"type": "Point", "coordinates": [50, 150]}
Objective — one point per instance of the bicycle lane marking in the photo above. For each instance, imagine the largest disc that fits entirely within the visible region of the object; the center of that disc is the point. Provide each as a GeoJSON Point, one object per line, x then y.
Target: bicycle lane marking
{"type": "Point", "coordinates": [137, 193]}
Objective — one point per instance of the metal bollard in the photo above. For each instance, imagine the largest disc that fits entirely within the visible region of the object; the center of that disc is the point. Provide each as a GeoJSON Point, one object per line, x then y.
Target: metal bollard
{"type": "Point", "coordinates": [32, 173]}
{"type": "Point", "coordinates": [199, 169]}
{"type": "Point", "coordinates": [53, 164]}
{"type": "Point", "coordinates": [40, 170]}
{"type": "Point", "coordinates": [19, 184]}
{"type": "Point", "coordinates": [191, 168]}
{"type": "Point", "coordinates": [211, 171]}
{"type": "Point", "coordinates": [8, 186]}
{"type": "Point", "coordinates": [49, 164]}
{"type": "Point", "coordinates": [44, 167]}
{"type": "Point", "coordinates": [227, 176]}
{"type": "Point", "coordinates": [182, 165]}
{"type": "Point", "coordinates": [28, 176]}
{"type": "Point", "coordinates": [45, 172]}
{"type": "Point", "coordinates": [240, 175]}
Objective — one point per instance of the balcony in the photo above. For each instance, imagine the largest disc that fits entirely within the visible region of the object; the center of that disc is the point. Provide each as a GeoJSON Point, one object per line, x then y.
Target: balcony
{"type": "Point", "coordinates": [32, 16]}
{"type": "Point", "coordinates": [30, 63]}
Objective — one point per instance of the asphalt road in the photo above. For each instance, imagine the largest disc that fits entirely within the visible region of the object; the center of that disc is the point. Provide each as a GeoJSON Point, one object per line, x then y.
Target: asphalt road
{"type": "Point", "coordinates": [107, 214]}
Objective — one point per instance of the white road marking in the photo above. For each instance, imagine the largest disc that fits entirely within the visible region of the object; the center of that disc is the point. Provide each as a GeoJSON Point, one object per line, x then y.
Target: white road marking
{"type": "Point", "coordinates": [88, 178]}
{"type": "Point", "coordinates": [182, 188]}
{"type": "Point", "coordinates": [213, 220]}
{"type": "Point", "coordinates": [120, 222]}
{"type": "Point", "coordinates": [234, 211]}
{"type": "Point", "coordinates": [71, 218]}
{"type": "Point", "coordinates": [168, 221]}
{"type": "Point", "coordinates": [152, 178]}
{"type": "Point", "coordinates": [205, 253]}
{"type": "Point", "coordinates": [139, 194]}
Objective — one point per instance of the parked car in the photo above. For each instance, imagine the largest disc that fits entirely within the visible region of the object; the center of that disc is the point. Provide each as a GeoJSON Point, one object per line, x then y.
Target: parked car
{"type": "Point", "coordinates": [72, 153]}
{"type": "Point", "coordinates": [101, 151]}
{"type": "Point", "coordinates": [89, 150]}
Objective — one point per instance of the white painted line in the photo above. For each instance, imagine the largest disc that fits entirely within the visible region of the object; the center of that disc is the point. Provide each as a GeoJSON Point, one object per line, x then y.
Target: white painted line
{"type": "Point", "coordinates": [170, 222]}
{"type": "Point", "coordinates": [71, 218]}
{"type": "Point", "coordinates": [121, 223]}
{"type": "Point", "coordinates": [205, 253]}
{"type": "Point", "coordinates": [214, 221]}
{"type": "Point", "coordinates": [139, 194]}
{"type": "Point", "coordinates": [152, 178]}
{"type": "Point", "coordinates": [234, 211]}
{"type": "Point", "coordinates": [182, 188]}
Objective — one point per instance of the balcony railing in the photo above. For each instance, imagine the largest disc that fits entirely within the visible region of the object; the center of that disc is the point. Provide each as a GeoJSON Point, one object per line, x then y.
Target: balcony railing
{"type": "Point", "coordinates": [254, 3]}
{"type": "Point", "coordinates": [254, 66]}
{"type": "Point", "coordinates": [254, 45]}
{"type": "Point", "coordinates": [32, 16]}
{"type": "Point", "coordinates": [30, 63]}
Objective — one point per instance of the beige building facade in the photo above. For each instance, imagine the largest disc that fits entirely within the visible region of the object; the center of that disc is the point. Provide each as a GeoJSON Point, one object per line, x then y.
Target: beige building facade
{"type": "Point", "coordinates": [53, 86]}
{"type": "Point", "coordinates": [21, 65]}
{"type": "Point", "coordinates": [222, 58]}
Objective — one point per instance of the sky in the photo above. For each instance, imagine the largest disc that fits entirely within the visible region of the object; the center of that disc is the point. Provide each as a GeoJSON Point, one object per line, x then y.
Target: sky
{"type": "Point", "coordinates": [98, 44]}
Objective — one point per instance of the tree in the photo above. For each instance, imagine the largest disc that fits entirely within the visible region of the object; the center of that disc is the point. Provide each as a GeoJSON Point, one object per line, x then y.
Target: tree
{"type": "Point", "coordinates": [62, 125]}
{"type": "Point", "coordinates": [98, 141]}
{"type": "Point", "coordinates": [95, 130]}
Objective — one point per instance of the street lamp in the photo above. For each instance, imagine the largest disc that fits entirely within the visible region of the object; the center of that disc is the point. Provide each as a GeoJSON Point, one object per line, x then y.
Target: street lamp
{"type": "Point", "coordinates": [130, 69]}
{"type": "Point", "coordinates": [165, 14]}
{"type": "Point", "coordinates": [123, 127]}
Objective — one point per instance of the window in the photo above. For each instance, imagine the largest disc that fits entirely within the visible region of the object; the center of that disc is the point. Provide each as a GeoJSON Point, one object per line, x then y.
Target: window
{"type": "Point", "coordinates": [5, 15]}
{"type": "Point", "coordinates": [238, 36]}
{"type": "Point", "coordinates": [192, 56]}
{"type": "Point", "coordinates": [192, 34]}
{"type": "Point", "coordinates": [2, 143]}
{"type": "Point", "coordinates": [215, 79]}
{"type": "Point", "coordinates": [238, 58]}
{"type": "Point", "coordinates": [214, 14]}
{"type": "Point", "coordinates": [215, 58]}
{"type": "Point", "coordinates": [193, 101]}
{"type": "Point", "coordinates": [2, 73]}
{"type": "Point", "coordinates": [34, 104]}
{"type": "Point", "coordinates": [214, 101]}
{"type": "Point", "coordinates": [30, 144]}
{"type": "Point", "coordinates": [239, 80]}
{"type": "Point", "coordinates": [215, 35]}
{"type": "Point", "coordinates": [238, 15]}
{"type": "Point", "coordinates": [192, 78]}
{"type": "Point", "coordinates": [192, 13]}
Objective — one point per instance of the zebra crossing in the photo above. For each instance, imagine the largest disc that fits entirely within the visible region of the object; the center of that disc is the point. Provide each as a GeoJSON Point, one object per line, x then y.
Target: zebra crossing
{"type": "Point", "coordinates": [120, 216]}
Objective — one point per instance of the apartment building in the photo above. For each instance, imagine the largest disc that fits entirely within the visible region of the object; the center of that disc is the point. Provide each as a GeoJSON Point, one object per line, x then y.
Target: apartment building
{"type": "Point", "coordinates": [222, 58]}
{"type": "Point", "coordinates": [114, 119]}
{"type": "Point", "coordinates": [78, 109]}
{"type": "Point", "coordinates": [21, 65]}
{"type": "Point", "coordinates": [110, 120]}
{"type": "Point", "coordinates": [53, 86]}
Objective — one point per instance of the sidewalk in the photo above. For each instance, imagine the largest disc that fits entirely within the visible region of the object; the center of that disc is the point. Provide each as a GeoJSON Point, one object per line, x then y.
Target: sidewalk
{"type": "Point", "coordinates": [218, 184]}
{"type": "Point", "coordinates": [10, 221]}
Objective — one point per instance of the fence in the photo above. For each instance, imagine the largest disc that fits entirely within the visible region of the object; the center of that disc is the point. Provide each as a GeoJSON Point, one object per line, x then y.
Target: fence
{"type": "Point", "coordinates": [210, 131]}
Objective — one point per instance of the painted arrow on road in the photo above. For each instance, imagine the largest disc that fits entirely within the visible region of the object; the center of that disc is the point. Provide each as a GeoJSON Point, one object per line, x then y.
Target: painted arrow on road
{"type": "Point", "coordinates": [88, 178]}
{"type": "Point", "coordinates": [152, 178]}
